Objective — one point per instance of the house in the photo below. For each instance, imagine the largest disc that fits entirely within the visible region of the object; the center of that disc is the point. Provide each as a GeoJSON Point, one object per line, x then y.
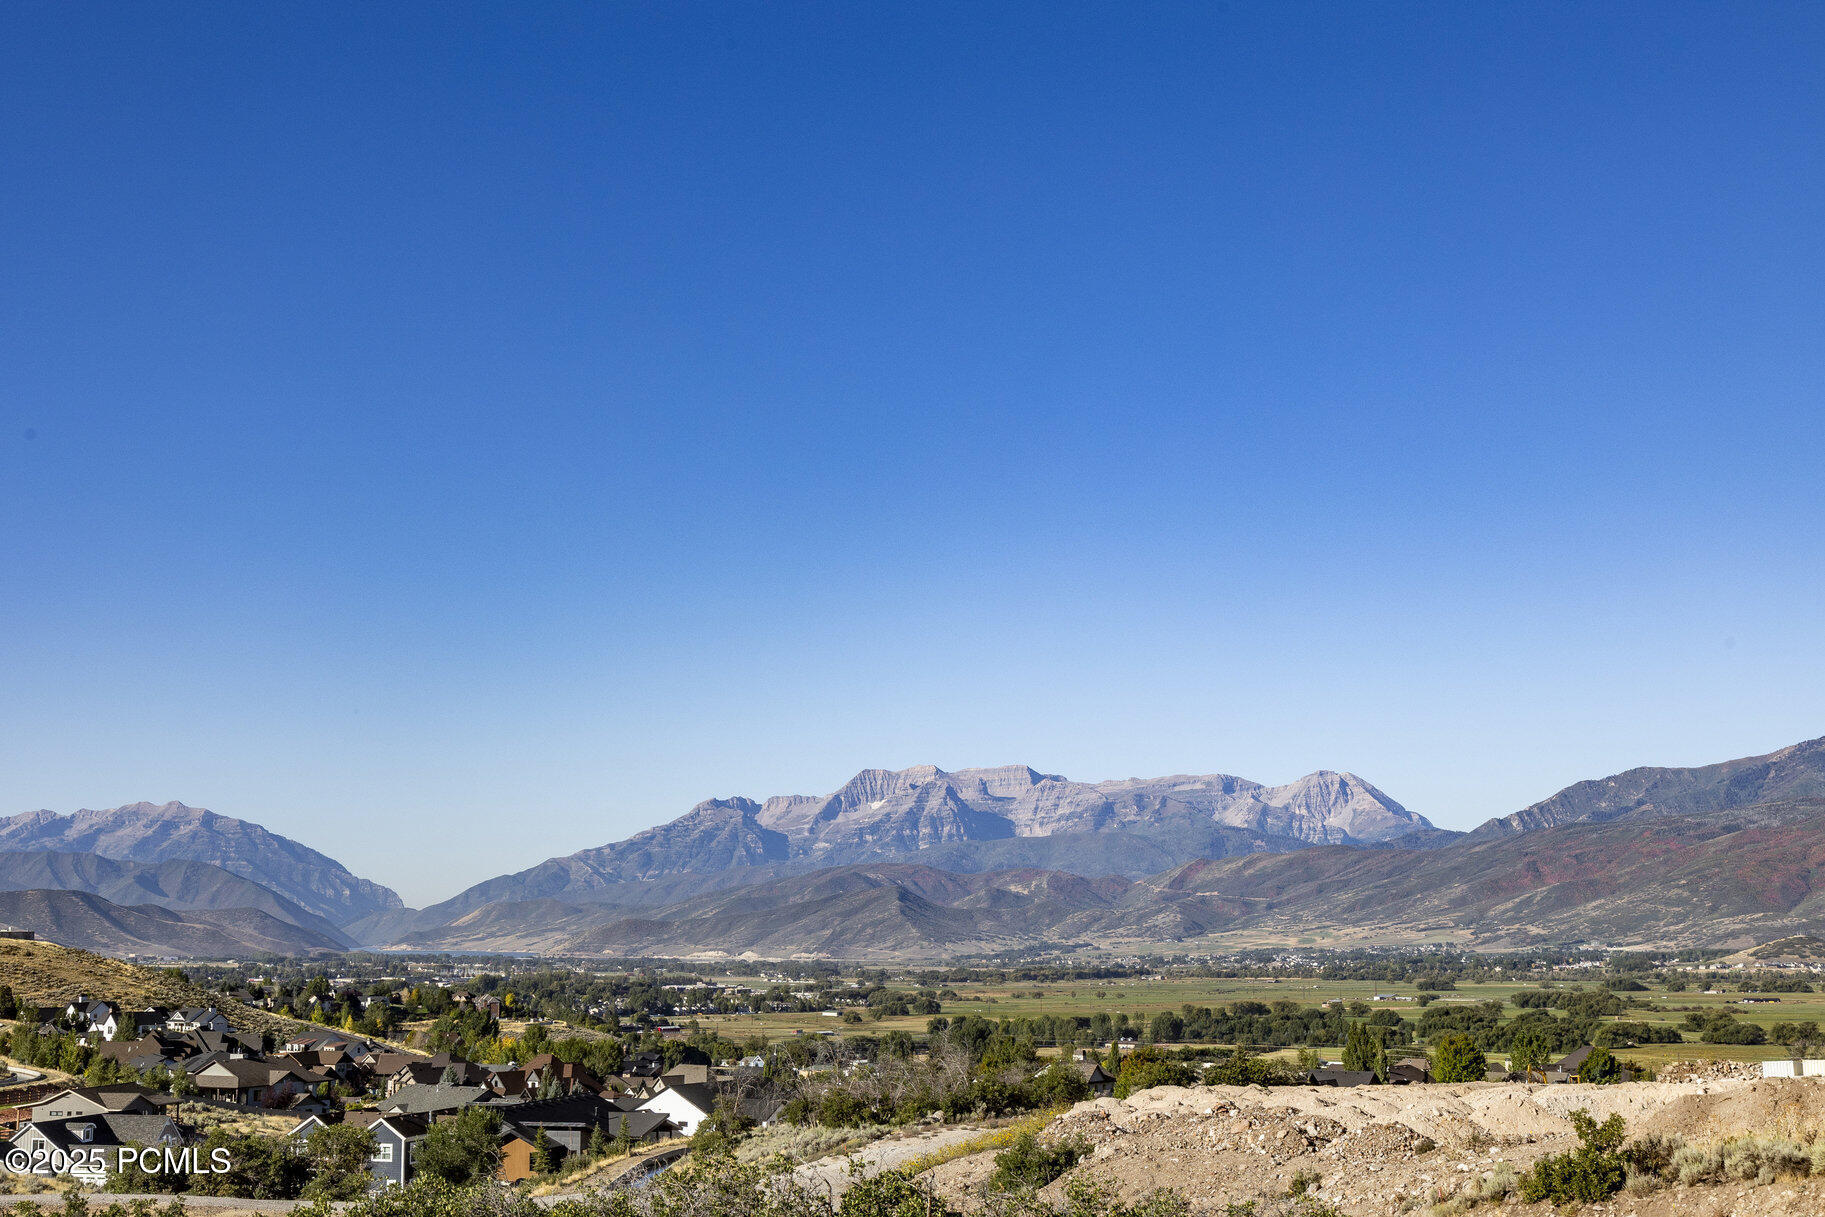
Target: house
{"type": "Point", "coordinates": [246, 1082]}
{"type": "Point", "coordinates": [686, 1075]}
{"type": "Point", "coordinates": [435, 1100]}
{"type": "Point", "coordinates": [101, 1017]}
{"type": "Point", "coordinates": [432, 1070]}
{"type": "Point", "coordinates": [545, 1071]}
{"type": "Point", "coordinates": [147, 1052]}
{"type": "Point", "coordinates": [131, 1024]}
{"type": "Point", "coordinates": [318, 1038]}
{"type": "Point", "coordinates": [568, 1124]}
{"type": "Point", "coordinates": [396, 1141]}
{"type": "Point", "coordinates": [507, 1083]}
{"type": "Point", "coordinates": [519, 1147]}
{"type": "Point", "coordinates": [689, 1105]}
{"type": "Point", "coordinates": [1101, 1081]}
{"type": "Point", "coordinates": [198, 1018]}
{"type": "Point", "coordinates": [1409, 1070]}
{"type": "Point", "coordinates": [95, 1100]}
{"type": "Point", "coordinates": [1341, 1077]}
{"type": "Point", "coordinates": [84, 1147]}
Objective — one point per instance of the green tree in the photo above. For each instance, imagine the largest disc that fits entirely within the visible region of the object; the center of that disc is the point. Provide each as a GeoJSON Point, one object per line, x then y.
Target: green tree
{"type": "Point", "coordinates": [1601, 1066]}
{"type": "Point", "coordinates": [1029, 1164]}
{"type": "Point", "coordinates": [1146, 1068]}
{"type": "Point", "coordinates": [337, 1155]}
{"type": "Point", "coordinates": [1363, 1051]}
{"type": "Point", "coordinates": [1527, 1052]}
{"type": "Point", "coordinates": [1456, 1058]}
{"type": "Point", "coordinates": [461, 1150]}
{"type": "Point", "coordinates": [544, 1155]}
{"type": "Point", "coordinates": [259, 1168]}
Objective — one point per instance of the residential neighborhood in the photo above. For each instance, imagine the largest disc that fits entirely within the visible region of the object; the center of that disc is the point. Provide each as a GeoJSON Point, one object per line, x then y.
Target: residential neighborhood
{"type": "Point", "coordinates": [189, 1063]}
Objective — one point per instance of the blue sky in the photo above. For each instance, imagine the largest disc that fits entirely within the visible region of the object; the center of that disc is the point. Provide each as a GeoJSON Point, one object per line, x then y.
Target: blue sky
{"type": "Point", "coordinates": [457, 436]}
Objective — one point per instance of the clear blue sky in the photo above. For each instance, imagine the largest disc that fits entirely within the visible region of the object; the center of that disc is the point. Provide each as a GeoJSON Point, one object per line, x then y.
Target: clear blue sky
{"type": "Point", "coordinates": [454, 436]}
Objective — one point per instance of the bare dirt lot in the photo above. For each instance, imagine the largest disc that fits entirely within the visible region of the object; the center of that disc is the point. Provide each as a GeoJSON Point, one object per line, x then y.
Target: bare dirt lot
{"type": "Point", "coordinates": [1387, 1149]}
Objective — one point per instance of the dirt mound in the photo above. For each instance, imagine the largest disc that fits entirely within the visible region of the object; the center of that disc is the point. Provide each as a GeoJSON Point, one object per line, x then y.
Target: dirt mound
{"type": "Point", "coordinates": [1377, 1149]}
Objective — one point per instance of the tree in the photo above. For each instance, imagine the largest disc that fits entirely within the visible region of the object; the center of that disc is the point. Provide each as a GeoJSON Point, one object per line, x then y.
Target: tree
{"type": "Point", "coordinates": [544, 1156]}
{"type": "Point", "coordinates": [1600, 1067]}
{"type": "Point", "coordinates": [461, 1150]}
{"type": "Point", "coordinates": [1146, 1068]}
{"type": "Point", "coordinates": [1527, 1052]}
{"type": "Point", "coordinates": [1166, 1028]}
{"type": "Point", "coordinates": [1456, 1058]}
{"type": "Point", "coordinates": [1363, 1051]}
{"type": "Point", "coordinates": [259, 1168]}
{"type": "Point", "coordinates": [338, 1157]}
{"type": "Point", "coordinates": [9, 1005]}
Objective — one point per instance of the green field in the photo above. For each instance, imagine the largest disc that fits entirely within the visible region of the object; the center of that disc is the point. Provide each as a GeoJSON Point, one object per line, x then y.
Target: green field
{"type": "Point", "coordinates": [1140, 999]}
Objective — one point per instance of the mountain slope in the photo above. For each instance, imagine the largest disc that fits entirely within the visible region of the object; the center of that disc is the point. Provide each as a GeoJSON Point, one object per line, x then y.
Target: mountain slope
{"type": "Point", "coordinates": [146, 832]}
{"type": "Point", "coordinates": [1724, 879]}
{"type": "Point", "coordinates": [883, 910]}
{"type": "Point", "coordinates": [85, 920]}
{"type": "Point", "coordinates": [1721, 879]}
{"type": "Point", "coordinates": [972, 819]}
{"type": "Point", "coordinates": [178, 884]}
{"type": "Point", "coordinates": [1795, 772]}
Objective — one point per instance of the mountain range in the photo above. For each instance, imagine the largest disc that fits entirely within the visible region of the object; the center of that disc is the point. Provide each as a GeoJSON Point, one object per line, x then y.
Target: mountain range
{"type": "Point", "coordinates": [927, 863]}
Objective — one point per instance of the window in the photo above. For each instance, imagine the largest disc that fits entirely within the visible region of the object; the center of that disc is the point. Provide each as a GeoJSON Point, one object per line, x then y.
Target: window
{"type": "Point", "coordinates": [384, 1153]}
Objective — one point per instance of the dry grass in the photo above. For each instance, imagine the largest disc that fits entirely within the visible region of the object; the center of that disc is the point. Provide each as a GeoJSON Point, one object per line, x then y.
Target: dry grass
{"type": "Point", "coordinates": [992, 1139]}
{"type": "Point", "coordinates": [807, 1142]}
{"type": "Point", "coordinates": [206, 1118]}
{"type": "Point", "coordinates": [45, 973]}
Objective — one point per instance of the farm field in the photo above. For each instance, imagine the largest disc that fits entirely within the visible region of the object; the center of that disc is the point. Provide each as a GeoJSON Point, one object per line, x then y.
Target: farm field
{"type": "Point", "coordinates": [1141, 998]}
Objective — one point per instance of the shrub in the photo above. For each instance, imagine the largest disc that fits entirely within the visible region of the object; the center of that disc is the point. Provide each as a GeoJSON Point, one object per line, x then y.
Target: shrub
{"type": "Point", "coordinates": [1652, 1156]}
{"type": "Point", "coordinates": [1029, 1163]}
{"type": "Point", "coordinates": [1744, 1159]}
{"type": "Point", "coordinates": [1144, 1069]}
{"type": "Point", "coordinates": [1592, 1172]}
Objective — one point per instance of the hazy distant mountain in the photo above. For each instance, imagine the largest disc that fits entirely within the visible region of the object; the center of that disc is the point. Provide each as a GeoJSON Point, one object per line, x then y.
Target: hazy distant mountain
{"type": "Point", "coordinates": [890, 909]}
{"type": "Point", "coordinates": [1796, 772]}
{"type": "Point", "coordinates": [85, 920]}
{"type": "Point", "coordinates": [1724, 879]}
{"type": "Point", "coordinates": [972, 819]}
{"type": "Point", "coordinates": [146, 832]}
{"type": "Point", "coordinates": [177, 884]}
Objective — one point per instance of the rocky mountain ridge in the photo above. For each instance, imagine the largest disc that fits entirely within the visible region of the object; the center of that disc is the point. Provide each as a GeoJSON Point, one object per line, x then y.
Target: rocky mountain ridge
{"type": "Point", "coordinates": [882, 815]}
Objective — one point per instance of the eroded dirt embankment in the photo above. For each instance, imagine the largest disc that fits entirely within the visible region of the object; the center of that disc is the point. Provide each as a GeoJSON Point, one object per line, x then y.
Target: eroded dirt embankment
{"type": "Point", "coordinates": [1385, 1149]}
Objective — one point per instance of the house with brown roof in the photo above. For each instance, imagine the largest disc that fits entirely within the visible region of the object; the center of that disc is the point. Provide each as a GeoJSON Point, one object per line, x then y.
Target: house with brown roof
{"type": "Point", "coordinates": [247, 1082]}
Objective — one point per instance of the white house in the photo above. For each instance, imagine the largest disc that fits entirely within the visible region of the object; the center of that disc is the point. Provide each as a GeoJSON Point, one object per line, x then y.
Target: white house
{"type": "Point", "coordinates": [198, 1019]}
{"type": "Point", "coordinates": [686, 1105]}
